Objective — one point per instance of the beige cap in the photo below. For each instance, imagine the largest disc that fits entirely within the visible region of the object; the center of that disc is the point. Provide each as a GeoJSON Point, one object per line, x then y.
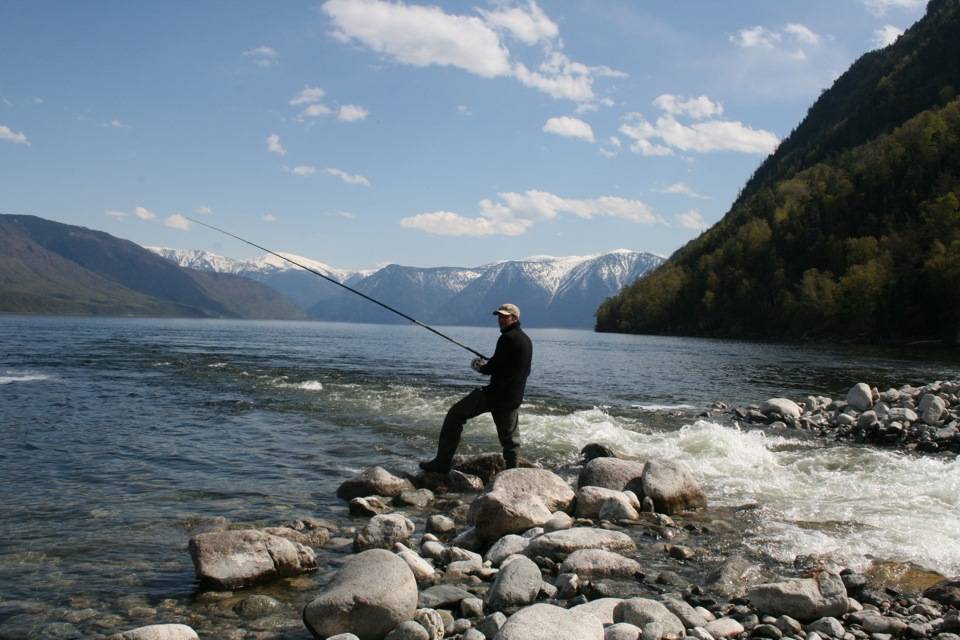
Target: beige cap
{"type": "Point", "coordinates": [508, 309]}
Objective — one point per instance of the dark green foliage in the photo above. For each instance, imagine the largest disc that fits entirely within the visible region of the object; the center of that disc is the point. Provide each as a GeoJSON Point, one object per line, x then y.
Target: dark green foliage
{"type": "Point", "coordinates": [850, 230]}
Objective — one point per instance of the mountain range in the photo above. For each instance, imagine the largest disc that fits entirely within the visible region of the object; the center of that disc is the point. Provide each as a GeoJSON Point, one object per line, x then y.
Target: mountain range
{"type": "Point", "coordinates": [551, 291]}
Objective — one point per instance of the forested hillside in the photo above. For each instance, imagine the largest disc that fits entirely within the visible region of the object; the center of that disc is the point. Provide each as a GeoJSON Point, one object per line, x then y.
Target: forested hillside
{"type": "Point", "coordinates": [851, 229]}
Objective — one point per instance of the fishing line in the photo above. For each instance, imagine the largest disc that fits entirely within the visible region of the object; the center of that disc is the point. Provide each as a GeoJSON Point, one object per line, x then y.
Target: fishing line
{"type": "Point", "coordinates": [340, 284]}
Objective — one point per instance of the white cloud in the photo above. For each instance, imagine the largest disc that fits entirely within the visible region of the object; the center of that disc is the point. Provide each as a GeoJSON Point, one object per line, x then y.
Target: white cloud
{"type": "Point", "coordinates": [755, 37]}
{"type": "Point", "coordinates": [177, 221]}
{"type": "Point", "coordinates": [204, 210]}
{"type": "Point", "coordinates": [697, 108]}
{"type": "Point", "coordinates": [274, 146]}
{"type": "Point", "coordinates": [348, 178]}
{"type": "Point", "coordinates": [304, 170]}
{"type": "Point", "coordinates": [269, 217]}
{"type": "Point", "coordinates": [10, 136]}
{"type": "Point", "coordinates": [464, 110]}
{"type": "Point", "coordinates": [681, 188]}
{"type": "Point", "coordinates": [116, 124]}
{"type": "Point", "coordinates": [706, 136]}
{"type": "Point", "coordinates": [880, 7]}
{"type": "Point", "coordinates": [144, 214]}
{"type": "Point", "coordinates": [38, 100]}
{"type": "Point", "coordinates": [309, 95]}
{"type": "Point", "coordinates": [352, 113]}
{"type": "Point", "coordinates": [514, 213]}
{"type": "Point", "coordinates": [262, 56]}
{"type": "Point", "coordinates": [529, 25]}
{"type": "Point", "coordinates": [691, 220]}
{"type": "Point", "coordinates": [117, 215]}
{"type": "Point", "coordinates": [345, 214]}
{"type": "Point", "coordinates": [316, 111]}
{"type": "Point", "coordinates": [421, 35]}
{"type": "Point", "coordinates": [886, 35]}
{"type": "Point", "coordinates": [802, 33]}
{"type": "Point", "coordinates": [569, 127]}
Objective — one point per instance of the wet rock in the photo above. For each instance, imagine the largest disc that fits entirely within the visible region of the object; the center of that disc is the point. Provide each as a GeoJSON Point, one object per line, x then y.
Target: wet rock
{"type": "Point", "coordinates": [803, 599]}
{"type": "Point", "coordinates": [618, 509]}
{"type": "Point", "coordinates": [440, 524]}
{"type": "Point", "coordinates": [158, 632]}
{"type": "Point", "coordinates": [468, 539]}
{"type": "Point", "coordinates": [519, 499]}
{"type": "Point", "coordinates": [781, 407]}
{"type": "Point", "coordinates": [602, 609]}
{"type": "Point", "coordinates": [549, 622]}
{"type": "Point", "coordinates": [610, 473]}
{"type": "Point", "coordinates": [383, 532]}
{"type": "Point", "coordinates": [461, 482]}
{"type": "Point", "coordinates": [595, 450]}
{"type": "Point", "coordinates": [735, 575]}
{"type": "Point", "coordinates": [766, 631]}
{"type": "Point", "coordinates": [931, 408]}
{"type": "Point", "coordinates": [621, 631]}
{"type": "Point", "coordinates": [372, 593]}
{"type": "Point", "coordinates": [594, 564]}
{"type": "Point", "coordinates": [309, 532]}
{"type": "Point", "coordinates": [562, 543]}
{"type": "Point", "coordinates": [860, 396]}
{"type": "Point", "coordinates": [408, 630]}
{"type": "Point", "coordinates": [442, 596]}
{"type": "Point", "coordinates": [369, 506]}
{"type": "Point", "coordinates": [621, 589]}
{"type": "Point", "coordinates": [233, 559]}
{"type": "Point", "coordinates": [672, 487]}
{"type": "Point", "coordinates": [724, 628]}
{"type": "Point", "coordinates": [945, 592]}
{"type": "Point", "coordinates": [256, 606]}
{"type": "Point", "coordinates": [517, 585]}
{"type": "Point", "coordinates": [591, 499]}
{"type": "Point", "coordinates": [375, 481]}
{"type": "Point", "coordinates": [875, 622]}
{"type": "Point", "coordinates": [505, 547]}
{"type": "Point", "coordinates": [419, 498]}
{"type": "Point", "coordinates": [643, 611]}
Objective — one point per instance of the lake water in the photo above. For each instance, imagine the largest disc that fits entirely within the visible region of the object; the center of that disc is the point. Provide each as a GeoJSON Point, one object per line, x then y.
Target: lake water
{"type": "Point", "coordinates": [119, 437]}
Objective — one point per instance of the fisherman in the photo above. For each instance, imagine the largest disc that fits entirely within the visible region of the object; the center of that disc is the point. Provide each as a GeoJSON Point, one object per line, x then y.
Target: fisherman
{"type": "Point", "coordinates": [508, 369]}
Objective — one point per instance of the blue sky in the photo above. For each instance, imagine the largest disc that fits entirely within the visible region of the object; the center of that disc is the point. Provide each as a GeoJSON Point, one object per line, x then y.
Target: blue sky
{"type": "Point", "coordinates": [361, 132]}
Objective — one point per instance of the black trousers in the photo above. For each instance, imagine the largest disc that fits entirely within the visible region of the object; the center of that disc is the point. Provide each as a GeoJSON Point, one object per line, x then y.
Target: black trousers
{"type": "Point", "coordinates": [471, 406]}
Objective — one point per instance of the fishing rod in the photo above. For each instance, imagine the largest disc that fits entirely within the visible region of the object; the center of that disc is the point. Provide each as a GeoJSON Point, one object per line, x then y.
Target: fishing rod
{"type": "Point", "coordinates": [340, 284]}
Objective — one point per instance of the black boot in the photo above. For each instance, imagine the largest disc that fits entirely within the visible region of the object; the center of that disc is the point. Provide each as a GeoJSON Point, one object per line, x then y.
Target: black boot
{"type": "Point", "coordinates": [510, 460]}
{"type": "Point", "coordinates": [435, 466]}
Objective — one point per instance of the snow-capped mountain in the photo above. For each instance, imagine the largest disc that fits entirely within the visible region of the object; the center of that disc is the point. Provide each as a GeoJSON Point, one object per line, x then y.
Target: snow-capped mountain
{"type": "Point", "coordinates": [551, 291]}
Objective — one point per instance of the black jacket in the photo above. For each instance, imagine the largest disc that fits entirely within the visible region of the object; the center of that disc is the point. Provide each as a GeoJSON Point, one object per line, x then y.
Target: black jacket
{"type": "Point", "coordinates": [508, 368]}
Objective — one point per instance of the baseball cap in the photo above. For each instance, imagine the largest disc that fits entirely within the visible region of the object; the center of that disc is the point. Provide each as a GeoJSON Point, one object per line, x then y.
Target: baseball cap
{"type": "Point", "coordinates": [508, 309]}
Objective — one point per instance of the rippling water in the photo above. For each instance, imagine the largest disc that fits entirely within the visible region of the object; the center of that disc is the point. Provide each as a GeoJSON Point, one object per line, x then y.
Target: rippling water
{"type": "Point", "coordinates": [118, 437]}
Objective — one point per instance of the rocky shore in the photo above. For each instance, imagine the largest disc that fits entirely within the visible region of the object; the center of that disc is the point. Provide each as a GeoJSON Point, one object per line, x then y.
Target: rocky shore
{"type": "Point", "coordinates": [607, 549]}
{"type": "Point", "coordinates": [923, 419]}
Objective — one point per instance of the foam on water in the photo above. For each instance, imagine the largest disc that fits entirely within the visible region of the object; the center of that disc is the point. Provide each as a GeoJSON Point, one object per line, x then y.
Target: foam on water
{"type": "Point", "coordinates": [12, 377]}
{"type": "Point", "coordinates": [663, 407]}
{"type": "Point", "coordinates": [309, 385]}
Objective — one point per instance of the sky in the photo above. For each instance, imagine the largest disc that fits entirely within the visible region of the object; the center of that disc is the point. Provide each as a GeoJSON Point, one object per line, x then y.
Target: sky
{"type": "Point", "coordinates": [362, 132]}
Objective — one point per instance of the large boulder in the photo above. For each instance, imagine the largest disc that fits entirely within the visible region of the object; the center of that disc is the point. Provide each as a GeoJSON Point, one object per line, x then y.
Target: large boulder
{"type": "Point", "coordinates": [860, 396]}
{"type": "Point", "coordinates": [595, 564]}
{"type": "Point", "coordinates": [931, 408]}
{"type": "Point", "coordinates": [517, 500]}
{"type": "Point", "coordinates": [517, 585]}
{"type": "Point", "coordinates": [945, 592]}
{"type": "Point", "coordinates": [549, 622]}
{"type": "Point", "coordinates": [805, 599]}
{"type": "Point", "coordinates": [781, 407]}
{"type": "Point", "coordinates": [158, 632]}
{"type": "Point", "coordinates": [610, 473]}
{"type": "Point", "coordinates": [643, 611]}
{"type": "Point", "coordinates": [375, 481]}
{"type": "Point", "coordinates": [373, 592]}
{"type": "Point", "coordinates": [559, 544]}
{"type": "Point", "coordinates": [383, 531]}
{"type": "Point", "coordinates": [672, 487]}
{"type": "Point", "coordinates": [234, 559]}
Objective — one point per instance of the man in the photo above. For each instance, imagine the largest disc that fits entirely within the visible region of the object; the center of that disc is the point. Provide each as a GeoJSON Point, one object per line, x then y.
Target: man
{"type": "Point", "coordinates": [508, 369]}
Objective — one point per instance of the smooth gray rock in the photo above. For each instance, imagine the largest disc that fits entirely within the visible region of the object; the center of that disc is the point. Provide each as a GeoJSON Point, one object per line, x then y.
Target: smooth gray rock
{"type": "Point", "coordinates": [422, 570]}
{"type": "Point", "coordinates": [440, 524]}
{"type": "Point", "coordinates": [875, 622]}
{"type": "Point", "coordinates": [562, 543]}
{"type": "Point", "coordinates": [369, 506]}
{"type": "Point", "coordinates": [256, 606]}
{"type": "Point", "coordinates": [805, 599]}
{"type": "Point", "coordinates": [549, 622]}
{"type": "Point", "coordinates": [689, 616]}
{"type": "Point", "coordinates": [781, 407]}
{"type": "Point", "coordinates": [558, 522]}
{"type": "Point", "coordinates": [724, 628]}
{"type": "Point", "coordinates": [375, 481]}
{"type": "Point", "coordinates": [505, 547]}
{"type": "Point", "coordinates": [591, 499]}
{"type": "Point", "coordinates": [643, 611]}
{"type": "Point", "coordinates": [343, 636]}
{"type": "Point", "coordinates": [442, 596]}
{"type": "Point", "coordinates": [860, 396]}
{"type": "Point", "coordinates": [234, 559]}
{"type": "Point", "coordinates": [594, 564]}
{"type": "Point", "coordinates": [672, 487]}
{"type": "Point", "coordinates": [418, 498]}
{"type": "Point", "coordinates": [621, 631]}
{"type": "Point", "coordinates": [372, 593]}
{"type": "Point", "coordinates": [471, 607]}
{"type": "Point", "coordinates": [610, 473]}
{"type": "Point", "coordinates": [491, 625]}
{"type": "Point", "coordinates": [931, 408]}
{"type": "Point", "coordinates": [517, 585]}
{"type": "Point", "coordinates": [158, 632]}
{"type": "Point", "coordinates": [519, 499]}
{"type": "Point", "coordinates": [602, 609]}
{"type": "Point", "coordinates": [473, 634]}
{"type": "Point", "coordinates": [408, 630]}
{"type": "Point", "coordinates": [618, 509]}
{"type": "Point", "coordinates": [699, 633]}
{"type": "Point", "coordinates": [768, 631]}
{"type": "Point", "coordinates": [829, 626]}
{"type": "Point", "coordinates": [383, 531]}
